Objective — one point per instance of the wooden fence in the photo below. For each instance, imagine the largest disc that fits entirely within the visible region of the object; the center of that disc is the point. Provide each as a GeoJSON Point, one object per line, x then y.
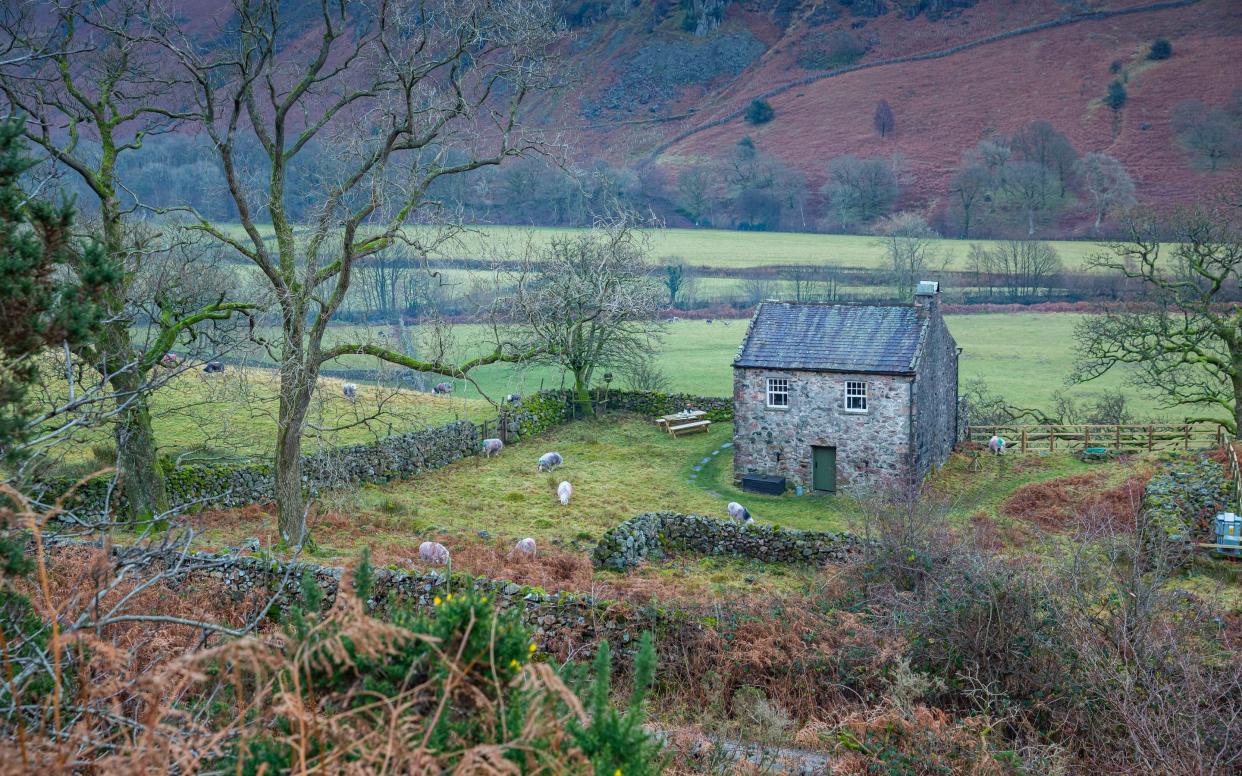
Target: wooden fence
{"type": "Point", "coordinates": [1235, 474]}
{"type": "Point", "coordinates": [1120, 438]}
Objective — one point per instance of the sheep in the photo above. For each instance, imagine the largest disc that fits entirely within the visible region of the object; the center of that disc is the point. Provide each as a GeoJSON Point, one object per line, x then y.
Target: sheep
{"type": "Point", "coordinates": [492, 447]}
{"type": "Point", "coordinates": [549, 461]}
{"type": "Point", "coordinates": [513, 398]}
{"type": "Point", "coordinates": [739, 512]}
{"type": "Point", "coordinates": [433, 552]}
{"type": "Point", "coordinates": [444, 388]}
{"type": "Point", "coordinates": [524, 547]}
{"type": "Point", "coordinates": [214, 367]}
{"type": "Point", "coordinates": [564, 491]}
{"type": "Point", "coordinates": [170, 360]}
{"type": "Point", "coordinates": [996, 445]}
{"type": "Point", "coordinates": [709, 321]}
{"type": "Point", "coordinates": [350, 391]}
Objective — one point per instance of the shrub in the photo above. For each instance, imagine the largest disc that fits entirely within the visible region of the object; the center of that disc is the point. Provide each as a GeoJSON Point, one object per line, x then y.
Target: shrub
{"type": "Point", "coordinates": [1116, 97]}
{"type": "Point", "coordinates": [1160, 49]}
{"type": "Point", "coordinates": [759, 112]}
{"type": "Point", "coordinates": [461, 687]}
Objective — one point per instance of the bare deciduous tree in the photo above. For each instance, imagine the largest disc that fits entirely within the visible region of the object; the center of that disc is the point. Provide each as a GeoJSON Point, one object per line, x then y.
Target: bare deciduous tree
{"type": "Point", "coordinates": [1106, 182]}
{"type": "Point", "coordinates": [587, 302]}
{"type": "Point", "coordinates": [440, 84]}
{"type": "Point", "coordinates": [1182, 341]}
{"type": "Point", "coordinates": [1022, 268]}
{"type": "Point", "coordinates": [859, 190]}
{"type": "Point", "coordinates": [883, 119]}
{"type": "Point", "coordinates": [93, 88]}
{"type": "Point", "coordinates": [1211, 135]}
{"type": "Point", "coordinates": [910, 246]}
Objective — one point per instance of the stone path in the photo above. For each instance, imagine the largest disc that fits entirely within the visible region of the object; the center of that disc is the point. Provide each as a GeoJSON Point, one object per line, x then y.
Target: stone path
{"type": "Point", "coordinates": [698, 467]}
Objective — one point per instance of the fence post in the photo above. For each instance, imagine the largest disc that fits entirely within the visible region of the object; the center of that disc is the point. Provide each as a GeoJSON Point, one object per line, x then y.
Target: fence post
{"type": "Point", "coordinates": [1151, 440]}
{"type": "Point", "coordinates": [1118, 445]}
{"type": "Point", "coordinates": [1052, 439]}
{"type": "Point", "coordinates": [1024, 440]}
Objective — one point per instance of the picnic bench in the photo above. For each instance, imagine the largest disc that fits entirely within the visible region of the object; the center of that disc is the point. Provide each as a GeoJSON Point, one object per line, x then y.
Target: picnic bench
{"type": "Point", "coordinates": [684, 422]}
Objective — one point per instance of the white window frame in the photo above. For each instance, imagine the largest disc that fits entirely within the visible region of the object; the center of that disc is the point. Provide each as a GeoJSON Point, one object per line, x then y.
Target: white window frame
{"type": "Point", "coordinates": [852, 392]}
{"type": "Point", "coordinates": [777, 386]}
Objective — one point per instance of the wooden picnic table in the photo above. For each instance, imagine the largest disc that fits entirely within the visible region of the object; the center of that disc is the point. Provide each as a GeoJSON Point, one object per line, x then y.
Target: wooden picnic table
{"type": "Point", "coordinates": [677, 418]}
{"type": "Point", "coordinates": [684, 422]}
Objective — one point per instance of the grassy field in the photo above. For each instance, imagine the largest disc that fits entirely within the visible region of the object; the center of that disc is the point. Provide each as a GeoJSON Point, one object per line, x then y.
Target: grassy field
{"type": "Point", "coordinates": [619, 467]}
{"type": "Point", "coordinates": [201, 417]}
{"type": "Point", "coordinates": [1024, 356]}
{"type": "Point", "coordinates": [725, 248]}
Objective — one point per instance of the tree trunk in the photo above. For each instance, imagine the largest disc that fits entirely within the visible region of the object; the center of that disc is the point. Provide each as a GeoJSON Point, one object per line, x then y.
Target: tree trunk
{"type": "Point", "coordinates": [143, 480]}
{"type": "Point", "coordinates": [582, 395]}
{"type": "Point", "coordinates": [1237, 406]}
{"type": "Point", "coordinates": [295, 393]}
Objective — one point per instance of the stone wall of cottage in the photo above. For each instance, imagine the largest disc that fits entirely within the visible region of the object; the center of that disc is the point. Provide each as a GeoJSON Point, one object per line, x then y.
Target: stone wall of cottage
{"type": "Point", "coordinates": [871, 446]}
{"type": "Point", "coordinates": [935, 396]}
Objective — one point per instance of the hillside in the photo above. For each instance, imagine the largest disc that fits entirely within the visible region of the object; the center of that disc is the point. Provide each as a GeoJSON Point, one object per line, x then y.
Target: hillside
{"type": "Point", "coordinates": [655, 91]}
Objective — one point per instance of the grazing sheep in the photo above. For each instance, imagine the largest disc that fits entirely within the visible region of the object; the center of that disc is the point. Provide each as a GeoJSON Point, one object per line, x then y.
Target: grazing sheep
{"type": "Point", "coordinates": [492, 447]}
{"type": "Point", "coordinates": [709, 321]}
{"type": "Point", "coordinates": [996, 445]}
{"type": "Point", "coordinates": [524, 547]}
{"type": "Point", "coordinates": [170, 359]}
{"type": "Point", "coordinates": [564, 491]}
{"type": "Point", "coordinates": [549, 461]}
{"type": "Point", "coordinates": [445, 388]}
{"type": "Point", "coordinates": [513, 398]}
{"type": "Point", "coordinates": [214, 367]}
{"type": "Point", "coordinates": [739, 512]}
{"type": "Point", "coordinates": [433, 552]}
{"type": "Point", "coordinates": [350, 390]}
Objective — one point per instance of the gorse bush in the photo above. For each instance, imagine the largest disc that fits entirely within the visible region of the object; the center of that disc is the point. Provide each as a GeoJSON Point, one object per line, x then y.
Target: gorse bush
{"type": "Point", "coordinates": [460, 688]}
{"type": "Point", "coordinates": [759, 112]}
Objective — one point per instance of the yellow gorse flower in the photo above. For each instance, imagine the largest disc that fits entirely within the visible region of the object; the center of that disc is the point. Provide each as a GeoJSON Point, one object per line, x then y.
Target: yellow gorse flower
{"type": "Point", "coordinates": [514, 663]}
{"type": "Point", "coordinates": [449, 597]}
{"type": "Point", "coordinates": [533, 648]}
{"type": "Point", "coordinates": [483, 600]}
{"type": "Point", "coordinates": [437, 601]}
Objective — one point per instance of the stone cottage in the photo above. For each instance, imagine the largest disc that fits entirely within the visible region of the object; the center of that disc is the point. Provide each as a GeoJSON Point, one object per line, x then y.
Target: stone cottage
{"type": "Point", "coordinates": [838, 396]}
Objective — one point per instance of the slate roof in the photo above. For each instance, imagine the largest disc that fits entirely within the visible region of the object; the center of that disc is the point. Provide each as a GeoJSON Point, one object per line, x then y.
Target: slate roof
{"type": "Point", "coordinates": [820, 337]}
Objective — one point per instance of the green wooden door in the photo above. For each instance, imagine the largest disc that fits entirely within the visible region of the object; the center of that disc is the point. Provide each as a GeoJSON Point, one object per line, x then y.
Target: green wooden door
{"type": "Point", "coordinates": [824, 468]}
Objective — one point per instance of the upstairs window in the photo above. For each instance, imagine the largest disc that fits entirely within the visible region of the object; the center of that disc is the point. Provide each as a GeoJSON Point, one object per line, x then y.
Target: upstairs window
{"type": "Point", "coordinates": [855, 396]}
{"type": "Point", "coordinates": [778, 392]}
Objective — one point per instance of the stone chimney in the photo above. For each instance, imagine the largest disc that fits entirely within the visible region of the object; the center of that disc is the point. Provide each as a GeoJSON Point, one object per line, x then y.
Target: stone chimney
{"type": "Point", "coordinates": [927, 298]}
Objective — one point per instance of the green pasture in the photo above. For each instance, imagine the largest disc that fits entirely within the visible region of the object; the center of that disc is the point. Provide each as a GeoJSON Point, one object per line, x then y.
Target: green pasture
{"type": "Point", "coordinates": [208, 418]}
{"type": "Point", "coordinates": [713, 247]}
{"type": "Point", "coordinates": [619, 466]}
{"type": "Point", "coordinates": [1026, 357]}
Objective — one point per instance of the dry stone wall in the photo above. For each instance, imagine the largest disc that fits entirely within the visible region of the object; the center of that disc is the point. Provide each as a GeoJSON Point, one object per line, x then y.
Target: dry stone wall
{"type": "Point", "coordinates": [654, 535]}
{"type": "Point", "coordinates": [562, 624]}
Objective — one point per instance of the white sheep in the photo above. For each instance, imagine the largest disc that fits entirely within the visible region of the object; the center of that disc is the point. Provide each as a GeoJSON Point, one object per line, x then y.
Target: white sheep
{"type": "Point", "coordinates": [524, 547]}
{"type": "Point", "coordinates": [739, 512]}
{"type": "Point", "coordinates": [513, 398]}
{"type": "Point", "coordinates": [549, 461]}
{"type": "Point", "coordinates": [350, 390]}
{"type": "Point", "coordinates": [996, 445]}
{"type": "Point", "coordinates": [433, 552]}
{"type": "Point", "coordinates": [564, 491]}
{"type": "Point", "coordinates": [492, 447]}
